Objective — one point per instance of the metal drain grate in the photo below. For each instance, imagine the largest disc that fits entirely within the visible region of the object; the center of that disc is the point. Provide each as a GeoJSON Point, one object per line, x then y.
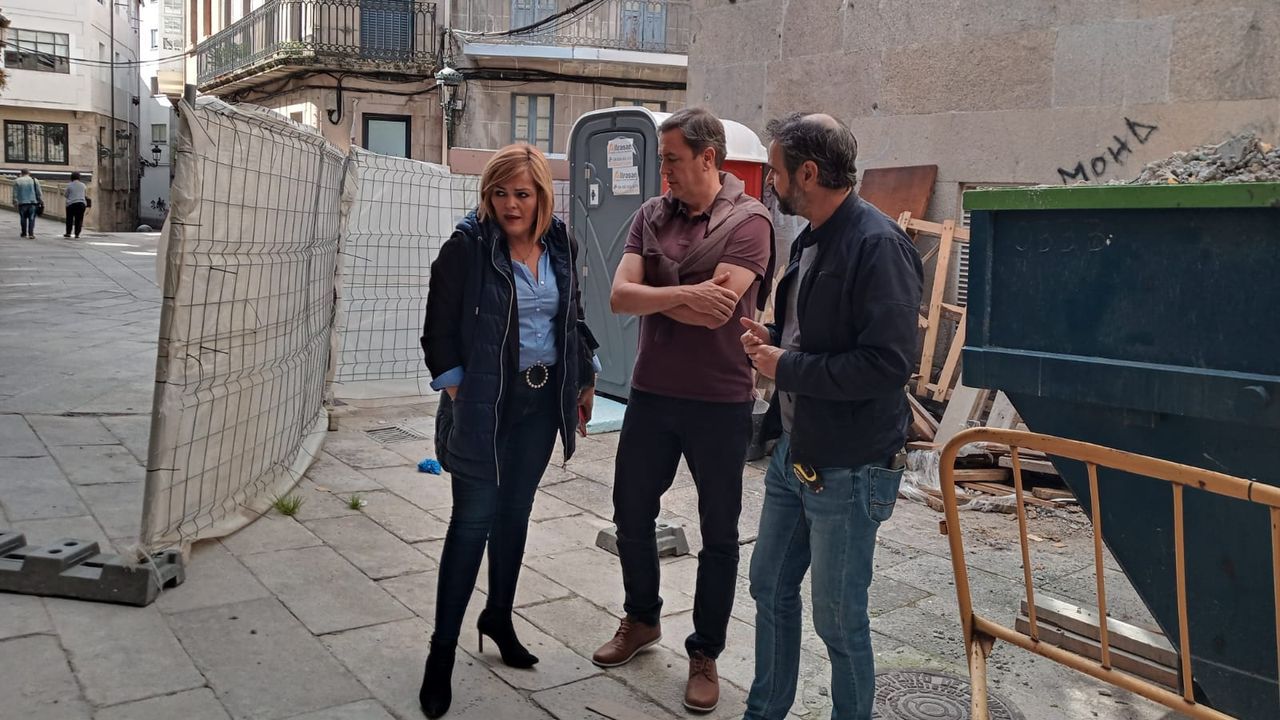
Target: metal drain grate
{"type": "Point", "coordinates": [393, 434]}
{"type": "Point", "coordinates": [923, 695]}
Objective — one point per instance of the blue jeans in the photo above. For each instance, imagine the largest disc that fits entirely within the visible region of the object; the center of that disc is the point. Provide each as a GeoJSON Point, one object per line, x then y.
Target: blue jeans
{"type": "Point", "coordinates": [834, 532]}
{"type": "Point", "coordinates": [497, 516]}
{"type": "Point", "coordinates": [27, 218]}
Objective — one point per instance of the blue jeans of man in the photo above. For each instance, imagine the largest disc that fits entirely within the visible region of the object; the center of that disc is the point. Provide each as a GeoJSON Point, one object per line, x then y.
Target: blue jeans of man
{"type": "Point", "coordinates": [833, 533]}
{"type": "Point", "coordinates": [27, 218]}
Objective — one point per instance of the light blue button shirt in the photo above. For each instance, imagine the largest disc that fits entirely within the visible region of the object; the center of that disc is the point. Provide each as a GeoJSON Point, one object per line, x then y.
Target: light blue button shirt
{"type": "Point", "coordinates": [537, 302]}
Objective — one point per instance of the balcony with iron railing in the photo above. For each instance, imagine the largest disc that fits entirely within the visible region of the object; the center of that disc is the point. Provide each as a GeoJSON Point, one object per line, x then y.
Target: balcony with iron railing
{"type": "Point", "coordinates": [656, 26]}
{"type": "Point", "coordinates": [372, 35]}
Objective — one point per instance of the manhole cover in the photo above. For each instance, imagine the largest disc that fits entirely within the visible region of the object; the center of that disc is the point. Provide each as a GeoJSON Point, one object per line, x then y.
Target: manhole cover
{"type": "Point", "coordinates": [922, 695]}
{"type": "Point", "coordinates": [393, 434]}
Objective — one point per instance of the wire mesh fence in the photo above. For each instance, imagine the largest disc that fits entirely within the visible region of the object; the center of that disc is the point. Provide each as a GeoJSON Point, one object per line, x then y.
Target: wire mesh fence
{"type": "Point", "coordinates": [247, 320]}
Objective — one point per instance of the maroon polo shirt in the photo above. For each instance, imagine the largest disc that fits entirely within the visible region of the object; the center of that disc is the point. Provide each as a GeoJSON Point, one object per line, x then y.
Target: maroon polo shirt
{"type": "Point", "coordinates": [694, 362]}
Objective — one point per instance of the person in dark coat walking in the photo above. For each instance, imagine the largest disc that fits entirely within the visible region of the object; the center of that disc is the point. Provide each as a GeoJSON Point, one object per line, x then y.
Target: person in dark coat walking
{"type": "Point", "coordinates": [506, 341]}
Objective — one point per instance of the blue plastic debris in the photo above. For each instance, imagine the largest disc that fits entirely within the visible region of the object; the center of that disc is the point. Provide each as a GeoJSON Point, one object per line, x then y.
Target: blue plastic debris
{"type": "Point", "coordinates": [430, 465]}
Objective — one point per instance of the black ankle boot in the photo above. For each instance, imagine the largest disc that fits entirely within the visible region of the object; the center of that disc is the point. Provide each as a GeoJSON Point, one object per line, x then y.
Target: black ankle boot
{"type": "Point", "coordinates": [437, 678]}
{"type": "Point", "coordinates": [497, 625]}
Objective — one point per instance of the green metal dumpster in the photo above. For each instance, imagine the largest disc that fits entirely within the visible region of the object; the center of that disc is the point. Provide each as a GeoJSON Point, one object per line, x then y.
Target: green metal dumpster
{"type": "Point", "coordinates": [1144, 318]}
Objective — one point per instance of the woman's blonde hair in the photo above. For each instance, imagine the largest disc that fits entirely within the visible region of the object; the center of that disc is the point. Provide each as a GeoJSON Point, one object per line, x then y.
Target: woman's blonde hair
{"type": "Point", "coordinates": [509, 162]}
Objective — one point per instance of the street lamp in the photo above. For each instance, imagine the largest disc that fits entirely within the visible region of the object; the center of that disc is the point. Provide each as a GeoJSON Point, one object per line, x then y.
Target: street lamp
{"type": "Point", "coordinates": [448, 79]}
{"type": "Point", "coordinates": [155, 157]}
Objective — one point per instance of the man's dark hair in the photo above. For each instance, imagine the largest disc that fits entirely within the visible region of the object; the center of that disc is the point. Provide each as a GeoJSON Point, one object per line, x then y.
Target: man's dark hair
{"type": "Point", "coordinates": [831, 146]}
{"type": "Point", "coordinates": [75, 176]}
{"type": "Point", "coordinates": [701, 130]}
{"type": "Point", "coordinates": [25, 172]}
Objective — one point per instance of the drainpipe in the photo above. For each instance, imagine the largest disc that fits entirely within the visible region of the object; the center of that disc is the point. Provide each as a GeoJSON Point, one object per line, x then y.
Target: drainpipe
{"type": "Point", "coordinates": [111, 57]}
{"type": "Point", "coordinates": [445, 119]}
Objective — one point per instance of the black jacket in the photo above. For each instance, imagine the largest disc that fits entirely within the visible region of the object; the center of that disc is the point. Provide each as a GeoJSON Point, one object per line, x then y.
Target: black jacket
{"type": "Point", "coordinates": [471, 322]}
{"type": "Point", "coordinates": [858, 308]}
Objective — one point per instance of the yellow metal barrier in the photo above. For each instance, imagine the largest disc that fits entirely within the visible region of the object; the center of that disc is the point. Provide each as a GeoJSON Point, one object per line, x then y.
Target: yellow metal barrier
{"type": "Point", "coordinates": [981, 633]}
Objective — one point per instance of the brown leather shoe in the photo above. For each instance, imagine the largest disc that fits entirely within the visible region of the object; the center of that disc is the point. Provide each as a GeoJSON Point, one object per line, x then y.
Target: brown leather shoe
{"type": "Point", "coordinates": [702, 694]}
{"type": "Point", "coordinates": [632, 637]}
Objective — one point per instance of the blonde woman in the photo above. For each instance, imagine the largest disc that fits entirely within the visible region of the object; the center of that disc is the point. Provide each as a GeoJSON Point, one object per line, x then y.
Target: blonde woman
{"type": "Point", "coordinates": [506, 342]}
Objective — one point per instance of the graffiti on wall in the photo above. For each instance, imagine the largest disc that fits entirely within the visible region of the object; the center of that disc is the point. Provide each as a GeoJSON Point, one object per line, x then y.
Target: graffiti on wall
{"type": "Point", "coordinates": [1097, 166]}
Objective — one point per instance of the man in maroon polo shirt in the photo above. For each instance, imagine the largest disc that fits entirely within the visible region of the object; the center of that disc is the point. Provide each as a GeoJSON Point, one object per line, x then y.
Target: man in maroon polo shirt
{"type": "Point", "coordinates": [695, 261]}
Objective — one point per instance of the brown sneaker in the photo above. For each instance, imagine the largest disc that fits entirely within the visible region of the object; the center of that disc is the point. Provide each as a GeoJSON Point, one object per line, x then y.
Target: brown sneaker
{"type": "Point", "coordinates": [632, 637]}
{"type": "Point", "coordinates": [702, 694]}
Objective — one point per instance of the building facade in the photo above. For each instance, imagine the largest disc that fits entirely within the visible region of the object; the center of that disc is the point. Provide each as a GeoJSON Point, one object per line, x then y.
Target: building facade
{"type": "Point", "coordinates": [1026, 92]}
{"type": "Point", "coordinates": [72, 102]}
{"type": "Point", "coordinates": [163, 44]}
{"type": "Point", "coordinates": [363, 72]}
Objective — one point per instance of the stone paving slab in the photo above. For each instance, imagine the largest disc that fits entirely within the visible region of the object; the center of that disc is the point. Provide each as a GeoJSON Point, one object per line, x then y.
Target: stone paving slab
{"type": "Point", "coordinates": [363, 710]}
{"type": "Point", "coordinates": [570, 702]}
{"type": "Point", "coordinates": [269, 533]}
{"type": "Point", "coordinates": [117, 507]}
{"type": "Point", "coordinates": [23, 615]}
{"type": "Point", "coordinates": [595, 575]}
{"type": "Point", "coordinates": [261, 662]}
{"type": "Point", "coordinates": [83, 527]}
{"type": "Point", "coordinates": [389, 659]}
{"type": "Point", "coordinates": [214, 577]}
{"type": "Point", "coordinates": [61, 430]}
{"type": "Point", "coordinates": [198, 704]}
{"type": "Point", "coordinates": [121, 653]}
{"type": "Point", "coordinates": [98, 464]}
{"type": "Point", "coordinates": [429, 492]}
{"type": "Point", "coordinates": [35, 489]}
{"type": "Point", "coordinates": [132, 431]}
{"type": "Point", "coordinates": [332, 474]}
{"type": "Point", "coordinates": [36, 681]}
{"type": "Point", "coordinates": [361, 452]}
{"type": "Point", "coordinates": [17, 438]}
{"type": "Point", "coordinates": [323, 590]}
{"type": "Point", "coordinates": [402, 518]}
{"type": "Point", "coordinates": [374, 551]}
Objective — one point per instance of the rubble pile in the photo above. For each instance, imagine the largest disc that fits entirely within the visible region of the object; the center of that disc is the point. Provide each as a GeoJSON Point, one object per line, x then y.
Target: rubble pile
{"type": "Point", "coordinates": [1242, 159]}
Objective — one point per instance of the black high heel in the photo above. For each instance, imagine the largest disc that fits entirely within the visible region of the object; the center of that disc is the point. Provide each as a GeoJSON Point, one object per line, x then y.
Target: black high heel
{"type": "Point", "coordinates": [497, 625]}
{"type": "Point", "coordinates": [437, 677]}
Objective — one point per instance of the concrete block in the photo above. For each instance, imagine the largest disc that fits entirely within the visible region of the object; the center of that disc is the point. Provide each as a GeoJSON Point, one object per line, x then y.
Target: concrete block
{"type": "Point", "coordinates": [22, 615]}
{"type": "Point", "coordinates": [402, 518]}
{"type": "Point", "coordinates": [36, 489]}
{"type": "Point", "coordinates": [805, 85]}
{"type": "Point", "coordinates": [1230, 54]}
{"type": "Point", "coordinates": [198, 704]}
{"type": "Point", "coordinates": [571, 702]}
{"type": "Point", "coordinates": [73, 568]}
{"type": "Point", "coordinates": [290, 673]}
{"type": "Point", "coordinates": [670, 538]}
{"type": "Point", "coordinates": [17, 438]}
{"type": "Point", "coordinates": [350, 599]}
{"type": "Point", "coordinates": [73, 430]}
{"type": "Point", "coordinates": [996, 73]}
{"type": "Point", "coordinates": [98, 464]}
{"type": "Point", "coordinates": [36, 682]}
{"type": "Point", "coordinates": [388, 659]}
{"type": "Point", "coordinates": [376, 552]}
{"type": "Point", "coordinates": [1118, 63]}
{"type": "Point", "coordinates": [270, 533]}
{"type": "Point", "coordinates": [214, 577]}
{"type": "Point", "coordinates": [121, 653]}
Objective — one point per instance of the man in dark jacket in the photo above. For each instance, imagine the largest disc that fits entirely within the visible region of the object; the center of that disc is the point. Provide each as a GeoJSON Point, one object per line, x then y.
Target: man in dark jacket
{"type": "Point", "coordinates": [840, 350]}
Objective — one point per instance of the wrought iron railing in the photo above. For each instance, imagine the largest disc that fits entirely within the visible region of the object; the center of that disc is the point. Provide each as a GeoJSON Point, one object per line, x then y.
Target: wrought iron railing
{"type": "Point", "coordinates": [342, 32]}
{"type": "Point", "coordinates": [646, 25]}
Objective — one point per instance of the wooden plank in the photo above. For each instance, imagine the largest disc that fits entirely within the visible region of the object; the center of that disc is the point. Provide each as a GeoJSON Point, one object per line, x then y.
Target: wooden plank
{"type": "Point", "coordinates": [924, 412]}
{"type": "Point", "coordinates": [948, 374]}
{"type": "Point", "coordinates": [1092, 649]}
{"type": "Point", "coordinates": [984, 475]}
{"type": "Point", "coordinates": [1084, 621]}
{"type": "Point", "coordinates": [935, 229]}
{"type": "Point", "coordinates": [1045, 493]}
{"type": "Point", "coordinates": [1002, 413]}
{"type": "Point", "coordinates": [934, 312]}
{"type": "Point", "coordinates": [1040, 466]}
{"type": "Point", "coordinates": [895, 190]}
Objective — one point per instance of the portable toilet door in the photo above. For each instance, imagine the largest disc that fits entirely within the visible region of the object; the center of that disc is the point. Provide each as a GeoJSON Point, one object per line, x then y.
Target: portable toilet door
{"type": "Point", "coordinates": [613, 170]}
